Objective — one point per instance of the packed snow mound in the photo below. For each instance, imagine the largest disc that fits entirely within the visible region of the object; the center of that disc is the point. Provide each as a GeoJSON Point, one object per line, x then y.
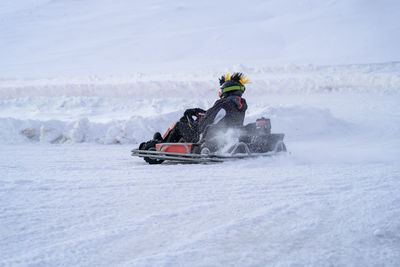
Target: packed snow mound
{"type": "Point", "coordinates": [304, 122]}
{"type": "Point", "coordinates": [83, 130]}
{"type": "Point", "coordinates": [43, 38]}
{"type": "Point", "coordinates": [296, 122]}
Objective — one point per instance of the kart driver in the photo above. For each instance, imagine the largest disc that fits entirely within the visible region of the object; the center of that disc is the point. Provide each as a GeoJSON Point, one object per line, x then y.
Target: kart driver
{"type": "Point", "coordinates": [227, 112]}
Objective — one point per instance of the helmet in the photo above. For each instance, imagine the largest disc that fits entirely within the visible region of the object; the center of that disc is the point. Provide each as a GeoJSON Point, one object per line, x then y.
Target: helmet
{"type": "Point", "coordinates": [232, 84]}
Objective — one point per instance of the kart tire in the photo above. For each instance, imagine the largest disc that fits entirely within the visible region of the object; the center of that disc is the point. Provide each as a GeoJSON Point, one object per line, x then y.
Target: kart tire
{"type": "Point", "coordinates": [280, 147]}
{"type": "Point", "coordinates": [151, 146]}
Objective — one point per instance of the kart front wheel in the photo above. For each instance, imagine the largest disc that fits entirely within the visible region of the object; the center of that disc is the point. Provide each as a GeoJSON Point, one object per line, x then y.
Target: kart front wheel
{"type": "Point", "coordinates": [151, 146]}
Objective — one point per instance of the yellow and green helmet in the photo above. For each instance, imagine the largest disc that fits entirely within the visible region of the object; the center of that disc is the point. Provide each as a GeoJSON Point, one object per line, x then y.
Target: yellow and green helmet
{"type": "Point", "coordinates": [232, 84]}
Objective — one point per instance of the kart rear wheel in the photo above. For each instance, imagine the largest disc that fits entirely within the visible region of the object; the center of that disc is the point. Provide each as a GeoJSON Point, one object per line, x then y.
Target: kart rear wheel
{"type": "Point", "coordinates": [280, 147]}
{"type": "Point", "coordinates": [151, 146]}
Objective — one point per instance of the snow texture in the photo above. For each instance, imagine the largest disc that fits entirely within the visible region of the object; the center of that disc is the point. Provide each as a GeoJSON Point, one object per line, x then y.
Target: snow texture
{"type": "Point", "coordinates": [45, 38]}
{"type": "Point", "coordinates": [84, 82]}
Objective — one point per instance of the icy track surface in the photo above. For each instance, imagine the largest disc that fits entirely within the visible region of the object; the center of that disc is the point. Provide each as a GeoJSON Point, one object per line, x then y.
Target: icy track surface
{"type": "Point", "coordinates": [91, 205]}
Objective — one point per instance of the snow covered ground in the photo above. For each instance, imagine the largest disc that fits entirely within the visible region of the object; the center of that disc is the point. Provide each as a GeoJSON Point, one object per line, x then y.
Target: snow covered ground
{"type": "Point", "coordinates": [91, 205]}
{"type": "Point", "coordinates": [334, 200]}
{"type": "Point", "coordinates": [83, 82]}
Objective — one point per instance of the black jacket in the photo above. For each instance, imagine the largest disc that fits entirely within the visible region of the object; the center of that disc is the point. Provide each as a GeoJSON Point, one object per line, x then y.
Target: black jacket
{"type": "Point", "coordinates": [227, 112]}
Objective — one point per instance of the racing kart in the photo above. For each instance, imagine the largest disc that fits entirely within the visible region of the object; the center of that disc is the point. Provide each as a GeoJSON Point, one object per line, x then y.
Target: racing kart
{"type": "Point", "coordinates": [215, 145]}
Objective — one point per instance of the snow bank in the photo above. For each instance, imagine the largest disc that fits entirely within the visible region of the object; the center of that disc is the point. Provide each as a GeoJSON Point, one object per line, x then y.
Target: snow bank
{"type": "Point", "coordinates": [133, 130]}
{"type": "Point", "coordinates": [301, 123]}
{"type": "Point", "coordinates": [296, 122]}
{"type": "Point", "coordinates": [301, 115]}
{"type": "Point", "coordinates": [382, 78]}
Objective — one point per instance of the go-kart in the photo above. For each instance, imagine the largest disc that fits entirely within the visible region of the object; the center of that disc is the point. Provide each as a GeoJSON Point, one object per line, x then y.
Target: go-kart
{"type": "Point", "coordinates": [215, 144]}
